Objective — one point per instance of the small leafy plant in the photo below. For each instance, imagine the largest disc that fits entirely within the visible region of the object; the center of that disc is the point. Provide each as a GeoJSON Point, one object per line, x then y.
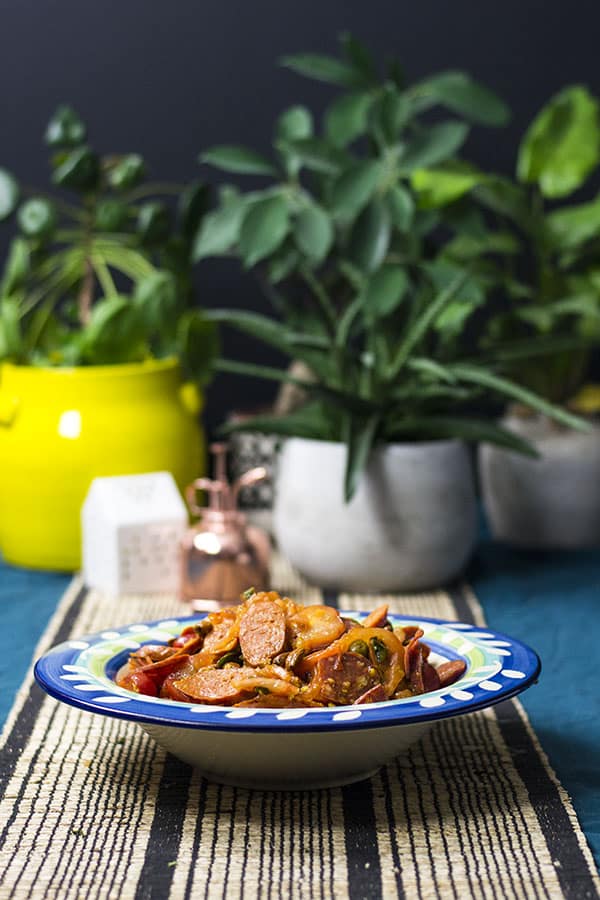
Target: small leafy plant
{"type": "Point", "coordinates": [102, 277]}
{"type": "Point", "coordinates": [550, 279]}
{"type": "Point", "coordinates": [351, 259]}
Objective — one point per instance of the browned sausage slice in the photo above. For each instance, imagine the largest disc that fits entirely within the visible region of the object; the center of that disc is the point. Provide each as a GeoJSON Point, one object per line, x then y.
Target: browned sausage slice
{"type": "Point", "coordinates": [262, 632]}
{"type": "Point", "coordinates": [375, 694]}
{"type": "Point", "coordinates": [211, 686]}
{"type": "Point", "coordinates": [343, 678]}
{"type": "Point", "coordinates": [451, 671]}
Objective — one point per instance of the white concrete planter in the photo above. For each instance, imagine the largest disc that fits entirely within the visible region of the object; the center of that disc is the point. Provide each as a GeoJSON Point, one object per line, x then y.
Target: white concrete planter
{"type": "Point", "coordinates": [551, 502]}
{"type": "Point", "coordinates": [411, 525]}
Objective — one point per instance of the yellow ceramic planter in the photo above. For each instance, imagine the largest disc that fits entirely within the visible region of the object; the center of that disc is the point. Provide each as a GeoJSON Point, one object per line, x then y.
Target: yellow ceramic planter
{"type": "Point", "coordinates": [60, 428]}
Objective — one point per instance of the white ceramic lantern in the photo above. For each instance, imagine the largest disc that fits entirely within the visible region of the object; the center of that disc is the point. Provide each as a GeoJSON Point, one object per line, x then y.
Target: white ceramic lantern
{"type": "Point", "coordinates": [132, 526]}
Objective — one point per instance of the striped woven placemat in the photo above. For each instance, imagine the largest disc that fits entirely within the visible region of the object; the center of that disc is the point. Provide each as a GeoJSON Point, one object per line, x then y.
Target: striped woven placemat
{"type": "Point", "coordinates": [90, 807]}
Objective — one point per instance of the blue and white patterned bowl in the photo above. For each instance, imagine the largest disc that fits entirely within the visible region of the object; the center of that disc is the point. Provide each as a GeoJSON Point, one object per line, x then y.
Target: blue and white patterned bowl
{"type": "Point", "coordinates": [288, 748]}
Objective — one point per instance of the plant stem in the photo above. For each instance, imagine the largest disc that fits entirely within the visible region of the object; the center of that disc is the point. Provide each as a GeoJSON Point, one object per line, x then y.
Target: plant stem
{"type": "Point", "coordinates": [85, 297]}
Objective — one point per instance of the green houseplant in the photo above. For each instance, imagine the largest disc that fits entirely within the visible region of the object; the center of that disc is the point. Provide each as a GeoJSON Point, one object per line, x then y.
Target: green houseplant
{"type": "Point", "coordinates": [368, 301]}
{"type": "Point", "coordinates": [97, 333]}
{"type": "Point", "coordinates": [554, 295]}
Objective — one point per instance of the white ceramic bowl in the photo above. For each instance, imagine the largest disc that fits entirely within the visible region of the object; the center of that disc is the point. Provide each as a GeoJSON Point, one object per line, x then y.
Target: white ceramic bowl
{"type": "Point", "coordinates": [291, 749]}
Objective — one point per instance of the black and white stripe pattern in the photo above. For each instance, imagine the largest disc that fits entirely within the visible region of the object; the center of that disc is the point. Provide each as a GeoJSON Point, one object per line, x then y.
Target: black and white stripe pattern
{"type": "Point", "coordinates": [91, 808]}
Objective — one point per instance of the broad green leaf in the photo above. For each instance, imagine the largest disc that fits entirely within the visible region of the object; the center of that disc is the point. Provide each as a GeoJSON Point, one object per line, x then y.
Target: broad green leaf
{"type": "Point", "coordinates": [313, 233]}
{"type": "Point", "coordinates": [192, 206]}
{"type": "Point", "coordinates": [359, 57]}
{"type": "Point", "coordinates": [9, 194]}
{"type": "Point", "coordinates": [16, 267]}
{"type": "Point", "coordinates": [401, 206]}
{"type": "Point", "coordinates": [503, 196]}
{"type": "Point", "coordinates": [587, 305]}
{"type": "Point", "coordinates": [433, 145]}
{"type": "Point", "coordinates": [347, 117]}
{"type": "Point", "coordinates": [504, 387]}
{"type": "Point", "coordinates": [323, 68]}
{"type": "Point", "coordinates": [384, 292]}
{"type": "Point", "coordinates": [466, 247]}
{"type": "Point", "coordinates": [79, 169]}
{"type": "Point", "coordinates": [127, 172]}
{"type": "Point", "coordinates": [37, 217]}
{"type": "Point", "coordinates": [391, 113]}
{"type": "Point", "coordinates": [360, 438]}
{"type": "Point", "coordinates": [111, 214]}
{"type": "Point", "coordinates": [452, 319]}
{"type": "Point", "coordinates": [354, 188]}
{"type": "Point", "coordinates": [562, 144]}
{"type": "Point", "coordinates": [113, 333]}
{"type": "Point", "coordinates": [437, 187]}
{"type": "Point", "coordinates": [458, 92]}
{"type": "Point", "coordinates": [220, 229]}
{"type": "Point", "coordinates": [571, 227]}
{"type": "Point", "coordinates": [370, 236]}
{"type": "Point", "coordinates": [315, 154]}
{"type": "Point", "coordinates": [198, 342]}
{"type": "Point", "coordinates": [65, 128]}
{"type": "Point", "coordinates": [240, 160]}
{"type": "Point", "coordinates": [157, 301]}
{"type": "Point", "coordinates": [263, 229]}
{"type": "Point", "coordinates": [294, 124]}
{"type": "Point", "coordinates": [153, 222]}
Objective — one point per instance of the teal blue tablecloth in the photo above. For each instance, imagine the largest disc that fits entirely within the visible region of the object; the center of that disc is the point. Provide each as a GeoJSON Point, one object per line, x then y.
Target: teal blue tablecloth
{"type": "Point", "coordinates": [551, 601]}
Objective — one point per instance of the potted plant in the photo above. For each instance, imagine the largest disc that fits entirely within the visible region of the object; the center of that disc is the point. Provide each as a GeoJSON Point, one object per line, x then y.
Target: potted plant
{"type": "Point", "coordinates": [97, 336]}
{"type": "Point", "coordinates": [552, 293]}
{"type": "Point", "coordinates": [375, 488]}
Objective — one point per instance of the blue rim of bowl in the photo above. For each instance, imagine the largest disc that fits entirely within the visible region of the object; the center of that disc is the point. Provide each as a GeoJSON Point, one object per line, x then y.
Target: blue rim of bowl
{"type": "Point", "coordinates": [81, 672]}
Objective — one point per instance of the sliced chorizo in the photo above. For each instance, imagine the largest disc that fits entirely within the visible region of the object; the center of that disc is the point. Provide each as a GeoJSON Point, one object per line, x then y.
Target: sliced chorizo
{"type": "Point", "coordinates": [343, 678]}
{"type": "Point", "coordinates": [375, 694]}
{"type": "Point", "coordinates": [421, 675]}
{"type": "Point", "coordinates": [211, 685]}
{"type": "Point", "coordinates": [262, 632]}
{"type": "Point", "coordinates": [451, 671]}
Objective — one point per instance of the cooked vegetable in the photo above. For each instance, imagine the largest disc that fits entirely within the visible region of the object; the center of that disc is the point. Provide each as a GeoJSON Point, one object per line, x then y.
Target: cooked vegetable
{"type": "Point", "coordinates": [271, 652]}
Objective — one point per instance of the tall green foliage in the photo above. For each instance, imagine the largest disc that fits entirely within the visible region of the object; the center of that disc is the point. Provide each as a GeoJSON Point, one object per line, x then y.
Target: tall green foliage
{"type": "Point", "coordinates": [346, 237]}
{"type": "Point", "coordinates": [550, 276]}
{"type": "Point", "coordinates": [99, 272]}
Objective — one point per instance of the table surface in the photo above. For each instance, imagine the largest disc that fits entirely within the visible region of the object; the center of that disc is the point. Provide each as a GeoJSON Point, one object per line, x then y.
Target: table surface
{"type": "Point", "coordinates": [549, 600]}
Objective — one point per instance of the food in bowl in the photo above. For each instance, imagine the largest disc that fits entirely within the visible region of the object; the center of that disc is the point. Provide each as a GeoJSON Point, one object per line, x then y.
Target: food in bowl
{"type": "Point", "coordinates": [271, 652]}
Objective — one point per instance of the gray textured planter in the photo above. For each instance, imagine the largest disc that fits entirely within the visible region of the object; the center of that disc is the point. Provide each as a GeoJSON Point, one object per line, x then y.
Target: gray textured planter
{"type": "Point", "coordinates": [410, 526]}
{"type": "Point", "coordinates": [551, 502]}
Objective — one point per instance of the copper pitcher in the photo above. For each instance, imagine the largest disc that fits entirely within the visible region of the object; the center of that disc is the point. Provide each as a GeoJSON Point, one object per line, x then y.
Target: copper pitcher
{"type": "Point", "coordinates": [221, 555]}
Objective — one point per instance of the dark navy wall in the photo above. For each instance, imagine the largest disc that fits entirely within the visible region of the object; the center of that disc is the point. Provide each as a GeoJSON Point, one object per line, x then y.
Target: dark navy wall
{"type": "Point", "coordinates": [169, 78]}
